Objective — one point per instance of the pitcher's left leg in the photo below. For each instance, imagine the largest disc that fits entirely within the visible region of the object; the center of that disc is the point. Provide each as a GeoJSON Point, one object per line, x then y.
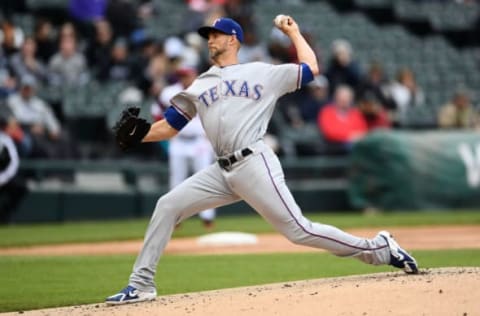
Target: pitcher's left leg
{"type": "Point", "coordinates": [260, 182]}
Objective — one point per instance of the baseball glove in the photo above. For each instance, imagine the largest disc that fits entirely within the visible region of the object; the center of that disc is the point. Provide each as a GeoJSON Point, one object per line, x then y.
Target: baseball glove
{"type": "Point", "coordinates": [130, 129]}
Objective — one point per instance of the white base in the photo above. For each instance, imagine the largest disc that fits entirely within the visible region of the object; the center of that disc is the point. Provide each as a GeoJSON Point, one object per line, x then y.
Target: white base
{"type": "Point", "coordinates": [227, 239]}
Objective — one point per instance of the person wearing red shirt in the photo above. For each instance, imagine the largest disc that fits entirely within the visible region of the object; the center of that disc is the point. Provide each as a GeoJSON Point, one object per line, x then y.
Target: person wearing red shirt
{"type": "Point", "coordinates": [340, 123]}
{"type": "Point", "coordinates": [374, 114]}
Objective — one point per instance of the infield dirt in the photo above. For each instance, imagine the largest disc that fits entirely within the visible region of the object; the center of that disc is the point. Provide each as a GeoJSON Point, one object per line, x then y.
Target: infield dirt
{"type": "Point", "coordinates": [447, 291]}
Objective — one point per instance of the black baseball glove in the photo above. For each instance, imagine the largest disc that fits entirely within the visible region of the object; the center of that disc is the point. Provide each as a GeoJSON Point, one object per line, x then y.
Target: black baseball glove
{"type": "Point", "coordinates": [130, 129]}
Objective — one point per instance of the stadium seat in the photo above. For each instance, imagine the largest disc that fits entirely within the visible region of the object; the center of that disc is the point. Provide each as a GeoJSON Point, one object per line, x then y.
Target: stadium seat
{"type": "Point", "coordinates": [46, 4]}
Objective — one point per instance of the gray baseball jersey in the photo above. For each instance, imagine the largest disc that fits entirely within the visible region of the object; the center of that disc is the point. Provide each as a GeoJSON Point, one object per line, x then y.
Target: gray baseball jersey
{"type": "Point", "coordinates": [235, 104]}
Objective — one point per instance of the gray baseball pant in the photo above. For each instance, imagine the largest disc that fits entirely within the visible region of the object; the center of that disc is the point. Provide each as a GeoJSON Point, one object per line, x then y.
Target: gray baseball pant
{"type": "Point", "coordinates": [258, 179]}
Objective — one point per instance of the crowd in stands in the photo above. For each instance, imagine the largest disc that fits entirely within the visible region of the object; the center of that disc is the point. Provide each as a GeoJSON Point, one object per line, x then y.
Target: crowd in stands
{"type": "Point", "coordinates": [107, 41]}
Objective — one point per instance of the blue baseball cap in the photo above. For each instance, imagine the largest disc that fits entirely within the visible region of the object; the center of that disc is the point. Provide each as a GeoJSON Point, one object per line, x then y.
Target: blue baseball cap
{"type": "Point", "coordinates": [223, 25]}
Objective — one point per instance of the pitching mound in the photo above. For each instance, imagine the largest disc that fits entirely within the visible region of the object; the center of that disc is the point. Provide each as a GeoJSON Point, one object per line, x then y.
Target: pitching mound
{"type": "Point", "coordinates": [447, 291]}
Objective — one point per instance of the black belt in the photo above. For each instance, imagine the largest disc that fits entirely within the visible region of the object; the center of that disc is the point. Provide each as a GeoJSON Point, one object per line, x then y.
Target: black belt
{"type": "Point", "coordinates": [227, 162]}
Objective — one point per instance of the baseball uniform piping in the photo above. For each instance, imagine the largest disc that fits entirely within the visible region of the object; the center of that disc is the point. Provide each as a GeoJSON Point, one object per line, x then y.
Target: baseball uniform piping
{"type": "Point", "coordinates": [298, 223]}
{"type": "Point", "coordinates": [181, 111]}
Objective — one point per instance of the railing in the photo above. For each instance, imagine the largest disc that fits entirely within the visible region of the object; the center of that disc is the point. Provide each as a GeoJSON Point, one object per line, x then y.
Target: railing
{"type": "Point", "coordinates": [295, 168]}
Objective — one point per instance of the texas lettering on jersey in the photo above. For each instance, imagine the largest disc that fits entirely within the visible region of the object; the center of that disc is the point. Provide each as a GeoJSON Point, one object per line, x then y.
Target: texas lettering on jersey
{"type": "Point", "coordinates": [231, 88]}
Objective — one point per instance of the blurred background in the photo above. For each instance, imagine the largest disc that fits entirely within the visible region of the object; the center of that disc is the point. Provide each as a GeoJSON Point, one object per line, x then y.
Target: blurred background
{"type": "Point", "coordinates": [390, 124]}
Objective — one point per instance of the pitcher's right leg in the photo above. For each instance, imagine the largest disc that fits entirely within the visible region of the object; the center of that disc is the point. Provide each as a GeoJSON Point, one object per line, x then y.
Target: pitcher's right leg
{"type": "Point", "coordinates": [206, 189]}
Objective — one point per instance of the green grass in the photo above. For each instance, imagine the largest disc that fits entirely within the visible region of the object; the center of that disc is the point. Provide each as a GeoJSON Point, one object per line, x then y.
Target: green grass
{"type": "Point", "coordinates": [38, 282]}
{"type": "Point", "coordinates": [24, 235]}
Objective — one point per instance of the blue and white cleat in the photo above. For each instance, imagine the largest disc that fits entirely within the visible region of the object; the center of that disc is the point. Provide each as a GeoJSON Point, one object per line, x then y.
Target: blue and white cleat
{"type": "Point", "coordinates": [130, 295]}
{"type": "Point", "coordinates": [399, 258]}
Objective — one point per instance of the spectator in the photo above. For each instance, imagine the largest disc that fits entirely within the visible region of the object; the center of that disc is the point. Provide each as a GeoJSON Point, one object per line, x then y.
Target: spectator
{"type": "Point", "coordinates": [122, 15]}
{"type": "Point", "coordinates": [174, 47]}
{"type": "Point", "coordinates": [140, 64]}
{"type": "Point", "coordinates": [203, 5]}
{"type": "Point", "coordinates": [342, 69]}
{"type": "Point", "coordinates": [147, 10]}
{"type": "Point", "coordinates": [241, 11]}
{"type": "Point", "coordinates": [98, 49]}
{"type": "Point", "coordinates": [68, 66]}
{"type": "Point", "coordinates": [155, 73]}
{"type": "Point", "coordinates": [119, 66]}
{"type": "Point", "coordinates": [177, 50]}
{"type": "Point", "coordinates": [373, 112]}
{"type": "Point", "coordinates": [38, 122]}
{"type": "Point", "coordinates": [340, 123]}
{"type": "Point", "coordinates": [252, 49]}
{"type": "Point", "coordinates": [67, 30]}
{"type": "Point", "coordinates": [459, 112]}
{"type": "Point", "coordinates": [193, 54]}
{"type": "Point", "coordinates": [12, 187]}
{"type": "Point", "coordinates": [85, 13]}
{"type": "Point", "coordinates": [11, 38]}
{"type": "Point", "coordinates": [301, 107]}
{"type": "Point", "coordinates": [288, 108]}
{"type": "Point", "coordinates": [8, 83]}
{"type": "Point", "coordinates": [13, 129]}
{"type": "Point", "coordinates": [198, 11]}
{"type": "Point", "coordinates": [310, 38]}
{"type": "Point", "coordinates": [315, 98]}
{"type": "Point", "coordinates": [26, 63]}
{"type": "Point", "coordinates": [213, 13]}
{"type": "Point", "coordinates": [375, 83]}
{"type": "Point", "coordinates": [405, 93]}
{"type": "Point", "coordinates": [279, 47]}
{"type": "Point", "coordinates": [44, 38]}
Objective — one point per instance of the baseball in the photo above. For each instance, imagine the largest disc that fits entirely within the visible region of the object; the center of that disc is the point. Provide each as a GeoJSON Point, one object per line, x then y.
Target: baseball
{"type": "Point", "coordinates": [279, 19]}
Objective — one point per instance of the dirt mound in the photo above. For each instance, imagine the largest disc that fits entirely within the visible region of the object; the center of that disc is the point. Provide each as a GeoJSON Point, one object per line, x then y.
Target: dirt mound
{"type": "Point", "coordinates": [446, 291]}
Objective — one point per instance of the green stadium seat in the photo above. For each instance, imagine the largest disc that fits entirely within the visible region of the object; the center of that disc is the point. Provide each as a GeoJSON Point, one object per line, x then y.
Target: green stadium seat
{"type": "Point", "coordinates": [420, 117]}
{"type": "Point", "coordinates": [374, 3]}
{"type": "Point", "coordinates": [46, 4]}
{"type": "Point", "coordinates": [25, 22]}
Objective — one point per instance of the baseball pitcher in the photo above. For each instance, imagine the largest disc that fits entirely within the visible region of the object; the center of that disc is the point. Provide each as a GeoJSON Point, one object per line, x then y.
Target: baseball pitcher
{"type": "Point", "coordinates": [235, 102]}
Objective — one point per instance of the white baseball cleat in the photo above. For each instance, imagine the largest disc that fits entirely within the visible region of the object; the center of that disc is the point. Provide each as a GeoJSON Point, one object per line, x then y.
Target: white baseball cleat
{"type": "Point", "coordinates": [130, 295]}
{"type": "Point", "coordinates": [399, 258]}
